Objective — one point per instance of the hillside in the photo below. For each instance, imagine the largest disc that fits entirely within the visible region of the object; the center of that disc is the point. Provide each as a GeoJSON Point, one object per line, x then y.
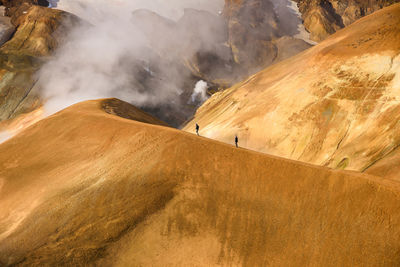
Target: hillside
{"type": "Point", "coordinates": [335, 104]}
{"type": "Point", "coordinates": [388, 167]}
{"type": "Point", "coordinates": [38, 32]}
{"type": "Point", "coordinates": [87, 187]}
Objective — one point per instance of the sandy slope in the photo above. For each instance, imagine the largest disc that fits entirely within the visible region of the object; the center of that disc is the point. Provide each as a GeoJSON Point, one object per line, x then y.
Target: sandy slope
{"type": "Point", "coordinates": [388, 167]}
{"type": "Point", "coordinates": [87, 187]}
{"type": "Point", "coordinates": [336, 104]}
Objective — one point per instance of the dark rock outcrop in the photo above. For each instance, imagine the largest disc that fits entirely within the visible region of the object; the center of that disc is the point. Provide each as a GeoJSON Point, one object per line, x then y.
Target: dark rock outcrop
{"type": "Point", "coordinates": [6, 28]}
{"type": "Point", "coordinates": [324, 17]}
{"type": "Point", "coordinates": [11, 6]}
{"type": "Point", "coordinates": [254, 28]}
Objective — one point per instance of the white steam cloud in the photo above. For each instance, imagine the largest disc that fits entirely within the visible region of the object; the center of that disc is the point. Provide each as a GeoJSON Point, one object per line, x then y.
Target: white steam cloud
{"type": "Point", "coordinates": [151, 52]}
{"type": "Point", "coordinates": [200, 92]}
{"type": "Point", "coordinates": [128, 53]}
{"type": "Point", "coordinates": [94, 10]}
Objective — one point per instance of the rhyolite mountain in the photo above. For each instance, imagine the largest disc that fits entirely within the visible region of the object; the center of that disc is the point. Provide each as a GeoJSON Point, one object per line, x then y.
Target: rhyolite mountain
{"type": "Point", "coordinates": [101, 183]}
{"type": "Point", "coordinates": [336, 104]}
{"type": "Point", "coordinates": [324, 17]}
{"type": "Point", "coordinates": [187, 53]}
{"type": "Point", "coordinates": [247, 37]}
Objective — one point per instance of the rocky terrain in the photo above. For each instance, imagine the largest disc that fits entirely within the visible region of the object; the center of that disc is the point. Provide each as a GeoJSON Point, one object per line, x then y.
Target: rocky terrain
{"type": "Point", "coordinates": [335, 104]}
{"type": "Point", "coordinates": [38, 32]}
{"type": "Point", "coordinates": [248, 36]}
{"type": "Point", "coordinates": [223, 50]}
{"type": "Point", "coordinates": [6, 27]}
{"type": "Point", "coordinates": [103, 183]}
{"type": "Point", "coordinates": [11, 6]}
{"type": "Point", "coordinates": [94, 188]}
{"type": "Point", "coordinates": [324, 17]}
{"type": "Point", "coordinates": [255, 30]}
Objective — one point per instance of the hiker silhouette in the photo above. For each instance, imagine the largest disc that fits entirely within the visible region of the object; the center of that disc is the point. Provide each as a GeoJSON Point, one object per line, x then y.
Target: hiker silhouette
{"type": "Point", "coordinates": [197, 129]}
{"type": "Point", "coordinates": [236, 141]}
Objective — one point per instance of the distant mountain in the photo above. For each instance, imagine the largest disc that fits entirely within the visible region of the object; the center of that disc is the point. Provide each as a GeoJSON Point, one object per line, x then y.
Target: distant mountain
{"type": "Point", "coordinates": [324, 17]}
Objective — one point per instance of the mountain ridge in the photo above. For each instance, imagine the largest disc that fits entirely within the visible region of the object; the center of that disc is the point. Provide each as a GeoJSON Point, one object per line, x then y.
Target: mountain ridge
{"type": "Point", "coordinates": [96, 188]}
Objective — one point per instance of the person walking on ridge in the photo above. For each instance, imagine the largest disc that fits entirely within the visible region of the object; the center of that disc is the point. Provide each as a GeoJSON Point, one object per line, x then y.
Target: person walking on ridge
{"type": "Point", "coordinates": [236, 141]}
{"type": "Point", "coordinates": [197, 129]}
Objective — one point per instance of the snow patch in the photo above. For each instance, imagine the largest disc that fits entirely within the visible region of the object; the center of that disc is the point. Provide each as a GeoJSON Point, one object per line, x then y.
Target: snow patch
{"type": "Point", "coordinates": [53, 3]}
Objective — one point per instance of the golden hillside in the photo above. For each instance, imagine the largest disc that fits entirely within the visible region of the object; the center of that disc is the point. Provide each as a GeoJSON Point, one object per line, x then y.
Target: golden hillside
{"type": "Point", "coordinates": [85, 186]}
{"type": "Point", "coordinates": [336, 104]}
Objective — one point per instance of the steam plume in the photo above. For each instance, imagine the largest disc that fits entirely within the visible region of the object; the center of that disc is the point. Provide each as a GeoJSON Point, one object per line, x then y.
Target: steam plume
{"type": "Point", "coordinates": [200, 91]}
{"type": "Point", "coordinates": [142, 51]}
{"type": "Point", "coordinates": [128, 53]}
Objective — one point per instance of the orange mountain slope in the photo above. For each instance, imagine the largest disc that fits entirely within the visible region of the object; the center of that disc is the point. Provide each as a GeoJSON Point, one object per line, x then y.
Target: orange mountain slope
{"type": "Point", "coordinates": [85, 186]}
{"type": "Point", "coordinates": [388, 167]}
{"type": "Point", "coordinates": [336, 104]}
